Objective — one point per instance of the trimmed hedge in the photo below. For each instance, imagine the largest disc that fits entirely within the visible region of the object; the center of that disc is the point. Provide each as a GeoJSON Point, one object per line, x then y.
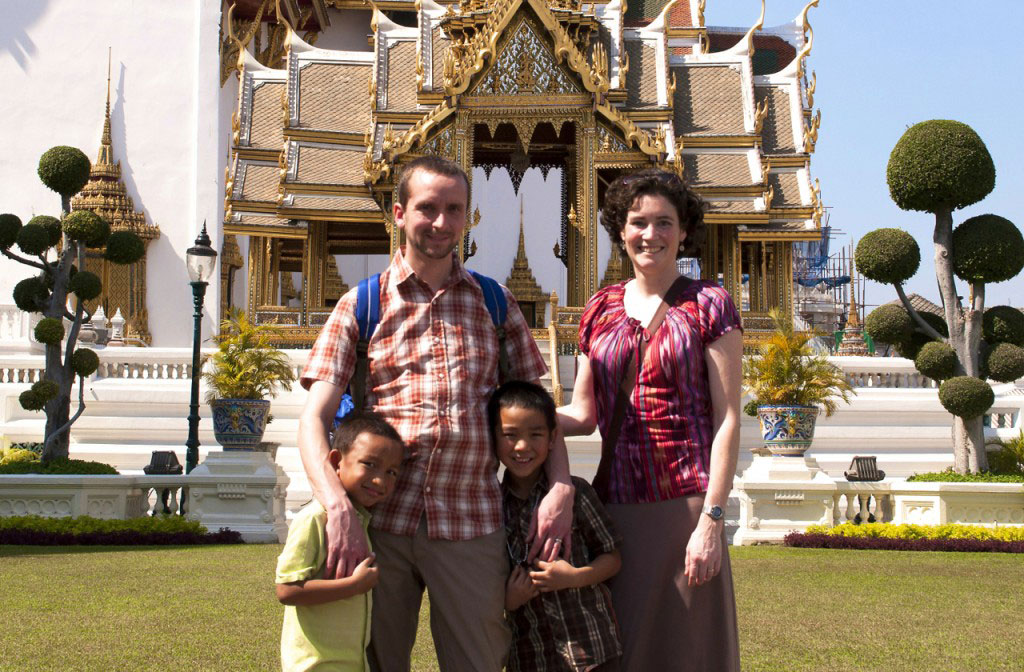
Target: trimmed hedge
{"type": "Point", "coordinates": [966, 397]}
{"type": "Point", "coordinates": [145, 531]}
{"type": "Point", "coordinates": [986, 248]}
{"type": "Point", "coordinates": [937, 165]}
{"type": "Point", "coordinates": [60, 467]}
{"type": "Point", "coordinates": [798, 540]}
{"type": "Point", "coordinates": [889, 256]}
{"type": "Point", "coordinates": [1003, 324]}
{"type": "Point", "coordinates": [950, 476]}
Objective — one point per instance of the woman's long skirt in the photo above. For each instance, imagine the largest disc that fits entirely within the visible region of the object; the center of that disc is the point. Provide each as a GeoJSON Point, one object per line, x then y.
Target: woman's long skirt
{"type": "Point", "coordinates": [666, 625]}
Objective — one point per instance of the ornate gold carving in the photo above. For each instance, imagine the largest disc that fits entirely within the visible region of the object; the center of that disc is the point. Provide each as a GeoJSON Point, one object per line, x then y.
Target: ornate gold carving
{"type": "Point", "coordinates": [672, 90]}
{"type": "Point", "coordinates": [334, 286]}
{"type": "Point", "coordinates": [124, 287]}
{"type": "Point", "coordinates": [615, 271]}
{"type": "Point", "coordinates": [760, 111]}
{"type": "Point", "coordinates": [623, 67]}
{"type": "Point", "coordinates": [769, 195]}
{"type": "Point", "coordinates": [749, 37]}
{"type": "Point", "coordinates": [810, 89]}
{"type": "Point", "coordinates": [678, 165]}
{"type": "Point", "coordinates": [811, 132]}
{"type": "Point", "coordinates": [700, 12]}
{"type": "Point", "coordinates": [525, 65]}
{"type": "Point", "coordinates": [808, 38]}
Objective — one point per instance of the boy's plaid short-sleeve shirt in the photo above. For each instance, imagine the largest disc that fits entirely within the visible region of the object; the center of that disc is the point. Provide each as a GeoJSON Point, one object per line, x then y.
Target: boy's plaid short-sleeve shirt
{"type": "Point", "coordinates": [433, 363]}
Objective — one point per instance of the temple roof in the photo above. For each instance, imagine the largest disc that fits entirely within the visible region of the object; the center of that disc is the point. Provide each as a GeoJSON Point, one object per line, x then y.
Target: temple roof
{"type": "Point", "coordinates": [322, 85]}
{"type": "Point", "coordinates": [778, 122]}
{"type": "Point", "coordinates": [709, 100]}
{"type": "Point", "coordinates": [718, 169]}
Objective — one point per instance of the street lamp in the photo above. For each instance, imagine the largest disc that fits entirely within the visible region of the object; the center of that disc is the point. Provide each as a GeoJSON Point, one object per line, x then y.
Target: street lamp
{"type": "Point", "coordinates": [201, 260]}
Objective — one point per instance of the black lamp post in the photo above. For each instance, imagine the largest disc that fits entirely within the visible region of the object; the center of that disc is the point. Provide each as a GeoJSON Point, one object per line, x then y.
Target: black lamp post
{"type": "Point", "coordinates": [201, 260]}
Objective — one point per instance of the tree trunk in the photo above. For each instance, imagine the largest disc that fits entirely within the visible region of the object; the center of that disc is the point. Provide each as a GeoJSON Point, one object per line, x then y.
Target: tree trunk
{"type": "Point", "coordinates": [969, 445]}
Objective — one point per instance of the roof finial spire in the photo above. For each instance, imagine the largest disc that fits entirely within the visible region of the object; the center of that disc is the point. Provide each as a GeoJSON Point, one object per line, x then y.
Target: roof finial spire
{"type": "Point", "coordinates": [521, 252]}
{"type": "Point", "coordinates": [106, 153]}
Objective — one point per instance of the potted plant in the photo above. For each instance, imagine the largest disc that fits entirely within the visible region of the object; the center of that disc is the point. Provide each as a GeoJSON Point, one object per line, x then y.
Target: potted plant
{"type": "Point", "coordinates": [789, 385]}
{"type": "Point", "coordinates": [243, 375]}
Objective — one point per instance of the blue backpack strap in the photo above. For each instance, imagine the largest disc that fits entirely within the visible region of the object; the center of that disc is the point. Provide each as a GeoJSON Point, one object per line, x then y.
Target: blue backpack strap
{"type": "Point", "coordinates": [367, 319]}
{"type": "Point", "coordinates": [497, 306]}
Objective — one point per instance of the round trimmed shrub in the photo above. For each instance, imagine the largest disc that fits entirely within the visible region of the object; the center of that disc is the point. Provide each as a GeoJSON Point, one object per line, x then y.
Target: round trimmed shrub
{"type": "Point", "coordinates": [1004, 363]}
{"type": "Point", "coordinates": [889, 256]}
{"type": "Point", "coordinates": [33, 239]}
{"type": "Point", "coordinates": [85, 362]}
{"type": "Point", "coordinates": [966, 396]}
{"type": "Point", "coordinates": [31, 401]}
{"type": "Point", "coordinates": [45, 389]}
{"type": "Point", "coordinates": [935, 322]}
{"type": "Point", "coordinates": [987, 248]}
{"type": "Point", "coordinates": [31, 294]}
{"type": "Point", "coordinates": [937, 360]}
{"type": "Point", "coordinates": [85, 285]}
{"type": "Point", "coordinates": [87, 227]}
{"type": "Point", "coordinates": [1003, 324]}
{"type": "Point", "coordinates": [64, 169]}
{"type": "Point", "coordinates": [51, 224]}
{"type": "Point", "coordinates": [938, 165]}
{"type": "Point", "coordinates": [50, 331]}
{"type": "Point", "coordinates": [890, 323]}
{"type": "Point", "coordinates": [9, 227]}
{"type": "Point", "coordinates": [124, 247]}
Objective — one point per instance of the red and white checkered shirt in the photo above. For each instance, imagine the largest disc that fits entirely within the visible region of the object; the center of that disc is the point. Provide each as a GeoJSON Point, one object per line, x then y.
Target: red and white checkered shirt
{"type": "Point", "coordinates": [433, 363]}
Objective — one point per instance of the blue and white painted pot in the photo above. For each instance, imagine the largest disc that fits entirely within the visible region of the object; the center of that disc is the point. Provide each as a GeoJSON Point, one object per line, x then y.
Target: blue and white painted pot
{"type": "Point", "coordinates": [238, 424]}
{"type": "Point", "coordinates": [787, 430]}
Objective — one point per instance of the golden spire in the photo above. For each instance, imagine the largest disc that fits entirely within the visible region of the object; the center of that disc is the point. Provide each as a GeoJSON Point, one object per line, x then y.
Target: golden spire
{"type": "Point", "coordinates": [521, 281]}
{"type": "Point", "coordinates": [105, 157]}
{"type": "Point", "coordinates": [521, 260]}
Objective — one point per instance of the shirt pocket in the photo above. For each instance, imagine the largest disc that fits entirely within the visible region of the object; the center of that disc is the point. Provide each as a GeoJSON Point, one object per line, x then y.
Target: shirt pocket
{"type": "Point", "coordinates": [473, 356]}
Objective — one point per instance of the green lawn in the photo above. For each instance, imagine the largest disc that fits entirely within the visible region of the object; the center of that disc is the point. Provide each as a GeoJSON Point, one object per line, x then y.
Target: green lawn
{"type": "Point", "coordinates": [212, 608]}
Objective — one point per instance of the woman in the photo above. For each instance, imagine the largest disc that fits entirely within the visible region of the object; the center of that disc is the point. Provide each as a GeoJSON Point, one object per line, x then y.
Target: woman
{"type": "Point", "coordinates": [669, 456]}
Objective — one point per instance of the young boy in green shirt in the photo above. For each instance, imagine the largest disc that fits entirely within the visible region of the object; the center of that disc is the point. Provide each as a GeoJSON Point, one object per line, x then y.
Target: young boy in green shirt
{"type": "Point", "coordinates": [327, 621]}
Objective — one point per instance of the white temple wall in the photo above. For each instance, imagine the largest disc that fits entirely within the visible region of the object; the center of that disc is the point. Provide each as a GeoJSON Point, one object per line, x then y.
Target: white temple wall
{"type": "Point", "coordinates": [168, 124]}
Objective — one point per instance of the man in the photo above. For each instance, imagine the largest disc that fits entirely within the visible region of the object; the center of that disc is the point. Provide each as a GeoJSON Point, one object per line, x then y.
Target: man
{"type": "Point", "coordinates": [433, 363]}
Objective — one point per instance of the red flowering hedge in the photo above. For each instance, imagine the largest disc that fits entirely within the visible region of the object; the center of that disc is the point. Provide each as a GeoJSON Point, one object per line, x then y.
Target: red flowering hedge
{"type": "Point", "coordinates": [818, 540]}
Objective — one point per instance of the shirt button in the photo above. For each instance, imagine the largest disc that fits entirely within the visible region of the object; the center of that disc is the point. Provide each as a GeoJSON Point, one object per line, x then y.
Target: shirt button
{"type": "Point", "coordinates": [427, 489]}
{"type": "Point", "coordinates": [437, 339]}
{"type": "Point", "coordinates": [440, 376]}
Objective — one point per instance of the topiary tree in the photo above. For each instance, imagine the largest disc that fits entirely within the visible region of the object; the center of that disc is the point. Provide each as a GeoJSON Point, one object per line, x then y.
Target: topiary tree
{"type": "Point", "coordinates": [54, 247]}
{"type": "Point", "coordinates": [940, 166]}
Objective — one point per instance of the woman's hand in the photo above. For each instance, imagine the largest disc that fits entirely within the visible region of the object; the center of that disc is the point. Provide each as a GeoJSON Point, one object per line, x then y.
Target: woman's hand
{"type": "Point", "coordinates": [519, 589]}
{"type": "Point", "coordinates": [704, 552]}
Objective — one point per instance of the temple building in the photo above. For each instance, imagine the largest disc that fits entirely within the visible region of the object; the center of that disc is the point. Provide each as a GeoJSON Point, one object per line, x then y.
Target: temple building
{"type": "Point", "coordinates": [582, 92]}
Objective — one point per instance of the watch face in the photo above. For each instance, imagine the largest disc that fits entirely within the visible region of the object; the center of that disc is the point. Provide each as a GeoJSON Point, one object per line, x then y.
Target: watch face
{"type": "Point", "coordinates": [715, 512]}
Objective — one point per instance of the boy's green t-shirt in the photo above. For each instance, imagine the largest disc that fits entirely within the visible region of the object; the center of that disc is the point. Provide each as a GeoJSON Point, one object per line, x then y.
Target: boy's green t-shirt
{"type": "Point", "coordinates": [331, 636]}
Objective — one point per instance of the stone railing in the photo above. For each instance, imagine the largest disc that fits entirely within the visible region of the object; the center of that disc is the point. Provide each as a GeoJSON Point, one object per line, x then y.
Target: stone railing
{"type": "Point", "coordinates": [16, 328]}
{"type": "Point", "coordinates": [241, 491]}
{"type": "Point", "coordinates": [779, 495]}
{"type": "Point", "coordinates": [890, 372]}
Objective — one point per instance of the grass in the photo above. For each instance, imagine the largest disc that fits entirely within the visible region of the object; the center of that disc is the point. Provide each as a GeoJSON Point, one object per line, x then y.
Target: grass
{"type": "Point", "coordinates": [205, 608]}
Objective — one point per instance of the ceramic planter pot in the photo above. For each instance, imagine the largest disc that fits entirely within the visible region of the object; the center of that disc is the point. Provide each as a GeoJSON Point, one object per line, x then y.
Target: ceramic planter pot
{"type": "Point", "coordinates": [238, 424]}
{"type": "Point", "coordinates": [787, 430]}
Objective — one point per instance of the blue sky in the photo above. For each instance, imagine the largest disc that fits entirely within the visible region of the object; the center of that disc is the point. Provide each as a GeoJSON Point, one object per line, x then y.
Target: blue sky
{"type": "Point", "coordinates": [884, 65]}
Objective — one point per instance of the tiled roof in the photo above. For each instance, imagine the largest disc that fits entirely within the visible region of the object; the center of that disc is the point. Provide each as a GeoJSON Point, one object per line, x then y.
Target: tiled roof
{"type": "Point", "coordinates": [641, 80]}
{"type": "Point", "coordinates": [731, 206]}
{"type": "Point", "coordinates": [438, 46]}
{"type": "Point", "coordinates": [350, 203]}
{"type": "Point", "coordinates": [777, 132]}
{"type": "Point", "coordinates": [323, 165]}
{"type": "Point", "coordinates": [266, 129]}
{"type": "Point", "coordinates": [323, 85]}
{"type": "Point", "coordinates": [921, 305]}
{"type": "Point", "coordinates": [259, 183]}
{"type": "Point", "coordinates": [709, 101]}
{"type": "Point", "coordinates": [402, 76]}
{"type": "Point", "coordinates": [787, 190]}
{"type": "Point", "coordinates": [719, 170]}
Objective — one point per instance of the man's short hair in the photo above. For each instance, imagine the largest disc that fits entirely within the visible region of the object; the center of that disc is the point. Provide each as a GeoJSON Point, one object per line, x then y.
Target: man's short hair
{"type": "Point", "coordinates": [430, 163]}
{"type": "Point", "coordinates": [362, 421]}
{"type": "Point", "coordinates": [521, 394]}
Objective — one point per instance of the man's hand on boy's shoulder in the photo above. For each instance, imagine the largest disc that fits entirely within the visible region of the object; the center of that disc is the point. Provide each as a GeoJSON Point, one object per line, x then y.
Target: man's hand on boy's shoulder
{"type": "Point", "coordinates": [346, 541]}
{"type": "Point", "coordinates": [550, 534]}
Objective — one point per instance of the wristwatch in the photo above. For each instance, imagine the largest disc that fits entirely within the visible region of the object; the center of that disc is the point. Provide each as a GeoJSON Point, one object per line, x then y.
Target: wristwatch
{"type": "Point", "coordinates": [714, 512]}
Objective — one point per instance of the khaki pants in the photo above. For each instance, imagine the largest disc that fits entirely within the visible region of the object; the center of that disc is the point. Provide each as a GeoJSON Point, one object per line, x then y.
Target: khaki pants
{"type": "Point", "coordinates": [466, 580]}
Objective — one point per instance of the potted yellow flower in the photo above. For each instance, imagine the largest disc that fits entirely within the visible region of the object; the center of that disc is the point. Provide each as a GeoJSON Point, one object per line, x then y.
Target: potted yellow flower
{"type": "Point", "coordinates": [790, 384]}
{"type": "Point", "coordinates": [242, 376]}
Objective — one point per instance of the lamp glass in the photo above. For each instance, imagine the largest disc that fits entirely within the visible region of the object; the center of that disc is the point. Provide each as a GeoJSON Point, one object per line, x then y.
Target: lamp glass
{"type": "Point", "coordinates": [201, 263]}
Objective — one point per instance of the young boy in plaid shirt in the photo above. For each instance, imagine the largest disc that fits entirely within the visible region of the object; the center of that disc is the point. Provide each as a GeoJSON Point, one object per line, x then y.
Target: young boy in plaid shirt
{"type": "Point", "coordinates": [560, 612]}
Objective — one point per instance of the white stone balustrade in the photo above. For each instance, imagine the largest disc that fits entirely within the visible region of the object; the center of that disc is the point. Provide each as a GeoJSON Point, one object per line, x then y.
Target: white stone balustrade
{"type": "Point", "coordinates": [779, 495]}
{"type": "Point", "coordinates": [241, 491]}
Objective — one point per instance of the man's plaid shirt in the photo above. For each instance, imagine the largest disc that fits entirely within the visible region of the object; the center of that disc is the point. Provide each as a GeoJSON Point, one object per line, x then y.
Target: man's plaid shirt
{"type": "Point", "coordinates": [572, 629]}
{"type": "Point", "coordinates": [433, 363]}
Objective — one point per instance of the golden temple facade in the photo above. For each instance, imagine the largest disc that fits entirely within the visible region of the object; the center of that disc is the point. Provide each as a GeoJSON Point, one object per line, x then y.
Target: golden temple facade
{"type": "Point", "coordinates": [594, 90]}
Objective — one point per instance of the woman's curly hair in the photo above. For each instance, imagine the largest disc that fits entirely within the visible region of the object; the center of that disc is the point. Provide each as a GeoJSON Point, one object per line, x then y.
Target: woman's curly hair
{"type": "Point", "coordinates": [624, 192]}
